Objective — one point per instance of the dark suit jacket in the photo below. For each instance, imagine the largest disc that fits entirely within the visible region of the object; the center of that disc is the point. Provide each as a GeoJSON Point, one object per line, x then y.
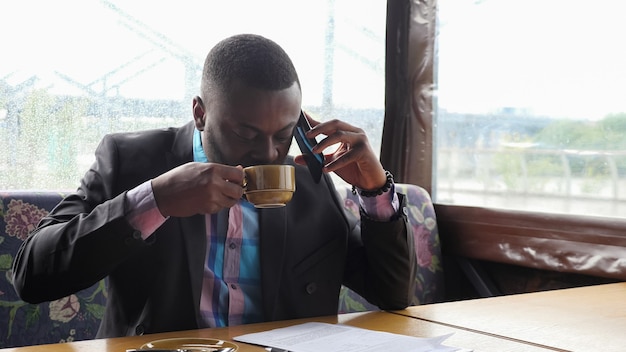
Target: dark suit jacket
{"type": "Point", "coordinates": [308, 248]}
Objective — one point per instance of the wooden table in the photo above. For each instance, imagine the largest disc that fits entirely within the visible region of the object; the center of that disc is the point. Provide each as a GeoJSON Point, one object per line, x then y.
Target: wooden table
{"type": "Point", "coordinates": [586, 319]}
{"type": "Point", "coordinates": [382, 321]}
{"type": "Point", "coordinates": [591, 318]}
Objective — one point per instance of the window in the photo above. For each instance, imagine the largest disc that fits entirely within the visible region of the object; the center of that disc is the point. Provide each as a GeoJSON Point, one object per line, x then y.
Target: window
{"type": "Point", "coordinates": [531, 114]}
{"type": "Point", "coordinates": [72, 71]}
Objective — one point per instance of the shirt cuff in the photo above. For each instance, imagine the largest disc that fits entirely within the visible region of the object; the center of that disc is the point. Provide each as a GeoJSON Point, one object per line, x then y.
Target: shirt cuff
{"type": "Point", "coordinates": [382, 207]}
{"type": "Point", "coordinates": [143, 213]}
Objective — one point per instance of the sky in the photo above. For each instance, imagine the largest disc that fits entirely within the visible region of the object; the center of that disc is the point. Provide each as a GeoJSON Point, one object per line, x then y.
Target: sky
{"type": "Point", "coordinates": [562, 58]}
{"type": "Point", "coordinates": [554, 57]}
{"type": "Point", "coordinates": [85, 40]}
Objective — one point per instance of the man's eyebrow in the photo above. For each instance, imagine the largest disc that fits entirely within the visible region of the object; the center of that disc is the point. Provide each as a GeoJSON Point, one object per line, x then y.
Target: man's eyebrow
{"type": "Point", "coordinates": [289, 127]}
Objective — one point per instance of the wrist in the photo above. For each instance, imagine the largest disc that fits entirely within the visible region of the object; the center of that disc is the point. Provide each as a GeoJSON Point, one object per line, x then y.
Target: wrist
{"type": "Point", "coordinates": [378, 191]}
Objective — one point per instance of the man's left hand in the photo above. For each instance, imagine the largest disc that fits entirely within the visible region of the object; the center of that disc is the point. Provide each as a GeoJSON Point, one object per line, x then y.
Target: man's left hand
{"type": "Point", "coordinates": [354, 160]}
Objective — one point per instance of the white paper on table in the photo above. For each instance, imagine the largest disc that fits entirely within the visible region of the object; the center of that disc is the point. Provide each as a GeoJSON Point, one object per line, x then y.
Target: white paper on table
{"type": "Point", "coordinates": [315, 337]}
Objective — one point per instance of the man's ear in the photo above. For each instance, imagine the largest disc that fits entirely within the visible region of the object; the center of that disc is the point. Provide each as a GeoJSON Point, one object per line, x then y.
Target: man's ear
{"type": "Point", "coordinates": [198, 112]}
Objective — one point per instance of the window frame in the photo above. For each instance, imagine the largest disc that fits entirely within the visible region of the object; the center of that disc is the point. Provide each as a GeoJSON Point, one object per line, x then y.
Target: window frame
{"type": "Point", "coordinates": [591, 245]}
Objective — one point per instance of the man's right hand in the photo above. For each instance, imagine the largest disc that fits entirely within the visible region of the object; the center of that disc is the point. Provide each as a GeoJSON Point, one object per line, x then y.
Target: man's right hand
{"type": "Point", "coordinates": [198, 188]}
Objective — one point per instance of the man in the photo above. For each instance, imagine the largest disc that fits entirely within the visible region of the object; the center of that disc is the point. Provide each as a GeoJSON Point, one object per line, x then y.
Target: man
{"type": "Point", "coordinates": [160, 213]}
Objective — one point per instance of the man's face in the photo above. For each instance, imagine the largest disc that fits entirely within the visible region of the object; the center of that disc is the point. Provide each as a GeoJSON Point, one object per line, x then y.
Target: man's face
{"type": "Point", "coordinates": [250, 126]}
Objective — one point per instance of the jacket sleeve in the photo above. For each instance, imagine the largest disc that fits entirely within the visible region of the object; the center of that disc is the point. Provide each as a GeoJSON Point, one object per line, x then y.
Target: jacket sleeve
{"type": "Point", "coordinates": [82, 239]}
{"type": "Point", "coordinates": [383, 268]}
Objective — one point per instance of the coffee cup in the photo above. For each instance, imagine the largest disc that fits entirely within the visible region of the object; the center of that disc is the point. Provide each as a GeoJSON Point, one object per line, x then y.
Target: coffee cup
{"type": "Point", "coordinates": [269, 186]}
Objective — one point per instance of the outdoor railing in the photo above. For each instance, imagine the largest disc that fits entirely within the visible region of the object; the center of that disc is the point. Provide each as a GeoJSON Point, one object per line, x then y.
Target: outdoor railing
{"type": "Point", "coordinates": [578, 181]}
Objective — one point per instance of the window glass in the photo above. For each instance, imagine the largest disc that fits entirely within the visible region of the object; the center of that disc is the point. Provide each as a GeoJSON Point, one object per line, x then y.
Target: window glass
{"type": "Point", "coordinates": [73, 70]}
{"type": "Point", "coordinates": [531, 112]}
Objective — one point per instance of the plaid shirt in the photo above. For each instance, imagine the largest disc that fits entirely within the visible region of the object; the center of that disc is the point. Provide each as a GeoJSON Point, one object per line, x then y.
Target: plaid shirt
{"type": "Point", "coordinates": [231, 288]}
{"type": "Point", "coordinates": [232, 271]}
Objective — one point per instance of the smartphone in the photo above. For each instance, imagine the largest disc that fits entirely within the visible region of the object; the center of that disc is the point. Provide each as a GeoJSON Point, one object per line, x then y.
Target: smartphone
{"type": "Point", "coordinates": [314, 161]}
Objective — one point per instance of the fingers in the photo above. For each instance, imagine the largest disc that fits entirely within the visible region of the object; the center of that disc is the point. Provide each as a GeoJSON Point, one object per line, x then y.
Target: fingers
{"type": "Point", "coordinates": [312, 121]}
{"type": "Point", "coordinates": [299, 159]}
{"type": "Point", "coordinates": [336, 132]}
{"type": "Point", "coordinates": [196, 188]}
{"type": "Point", "coordinates": [353, 144]}
{"type": "Point", "coordinates": [223, 185]}
{"type": "Point", "coordinates": [342, 157]}
{"type": "Point", "coordinates": [231, 174]}
{"type": "Point", "coordinates": [353, 160]}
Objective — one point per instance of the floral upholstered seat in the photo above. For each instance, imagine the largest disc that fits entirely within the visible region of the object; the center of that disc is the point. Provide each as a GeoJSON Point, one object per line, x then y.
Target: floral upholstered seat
{"type": "Point", "coordinates": [429, 279]}
{"type": "Point", "coordinates": [72, 318]}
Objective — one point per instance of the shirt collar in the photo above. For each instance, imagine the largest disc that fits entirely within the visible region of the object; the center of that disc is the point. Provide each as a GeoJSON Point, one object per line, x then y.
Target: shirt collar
{"type": "Point", "coordinates": [198, 152]}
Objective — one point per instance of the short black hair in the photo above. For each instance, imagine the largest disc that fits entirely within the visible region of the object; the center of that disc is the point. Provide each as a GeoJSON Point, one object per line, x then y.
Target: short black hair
{"type": "Point", "coordinates": [251, 59]}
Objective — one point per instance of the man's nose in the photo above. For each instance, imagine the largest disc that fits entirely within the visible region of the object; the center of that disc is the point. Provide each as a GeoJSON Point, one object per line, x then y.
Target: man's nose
{"type": "Point", "coordinates": [266, 152]}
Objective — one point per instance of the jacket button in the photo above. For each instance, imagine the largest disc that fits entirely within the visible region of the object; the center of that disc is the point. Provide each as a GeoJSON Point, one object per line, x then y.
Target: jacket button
{"type": "Point", "coordinates": [311, 288]}
{"type": "Point", "coordinates": [139, 330]}
{"type": "Point", "coordinates": [405, 211]}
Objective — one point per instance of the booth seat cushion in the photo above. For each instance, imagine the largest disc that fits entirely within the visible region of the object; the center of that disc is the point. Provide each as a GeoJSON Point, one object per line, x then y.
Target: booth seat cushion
{"type": "Point", "coordinates": [429, 279]}
{"type": "Point", "coordinates": [72, 318]}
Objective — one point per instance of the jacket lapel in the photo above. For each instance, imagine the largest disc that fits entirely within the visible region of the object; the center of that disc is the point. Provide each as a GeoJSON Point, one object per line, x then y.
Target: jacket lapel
{"type": "Point", "coordinates": [193, 233]}
{"type": "Point", "coordinates": [192, 229]}
{"type": "Point", "coordinates": [272, 228]}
